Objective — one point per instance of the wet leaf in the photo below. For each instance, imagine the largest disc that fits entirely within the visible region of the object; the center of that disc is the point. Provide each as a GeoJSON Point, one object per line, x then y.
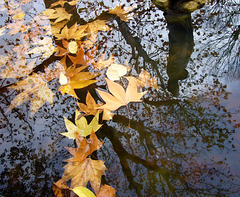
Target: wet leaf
{"type": "Point", "coordinates": [73, 47]}
{"type": "Point", "coordinates": [76, 80]}
{"type": "Point", "coordinates": [81, 57]}
{"type": "Point", "coordinates": [119, 97]}
{"type": "Point", "coordinates": [102, 63]}
{"type": "Point", "coordinates": [83, 172]}
{"type": "Point", "coordinates": [82, 127]}
{"type": "Point", "coordinates": [84, 147]}
{"type": "Point", "coordinates": [115, 71]}
{"type": "Point", "coordinates": [59, 14]}
{"type": "Point", "coordinates": [123, 13]}
{"type": "Point", "coordinates": [106, 191]}
{"type": "Point", "coordinates": [83, 192]}
{"type": "Point", "coordinates": [74, 32]}
{"type": "Point", "coordinates": [90, 107]}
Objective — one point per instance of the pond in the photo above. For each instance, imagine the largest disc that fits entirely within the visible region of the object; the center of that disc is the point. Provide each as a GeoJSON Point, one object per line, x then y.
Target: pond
{"type": "Point", "coordinates": [181, 140]}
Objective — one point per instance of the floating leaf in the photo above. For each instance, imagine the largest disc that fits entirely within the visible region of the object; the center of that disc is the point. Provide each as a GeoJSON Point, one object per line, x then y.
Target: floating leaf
{"type": "Point", "coordinates": [82, 127]}
{"type": "Point", "coordinates": [84, 147]}
{"type": "Point", "coordinates": [106, 191]}
{"type": "Point", "coordinates": [102, 63]}
{"type": "Point", "coordinates": [76, 80]}
{"type": "Point", "coordinates": [115, 71]}
{"type": "Point", "coordinates": [119, 97]}
{"type": "Point", "coordinates": [83, 172]}
{"type": "Point", "coordinates": [57, 13]}
{"type": "Point", "coordinates": [123, 13]}
{"type": "Point", "coordinates": [83, 192]}
{"type": "Point", "coordinates": [90, 107]}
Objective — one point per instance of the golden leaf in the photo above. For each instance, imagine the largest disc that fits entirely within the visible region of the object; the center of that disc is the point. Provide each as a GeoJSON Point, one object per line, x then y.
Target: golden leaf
{"type": "Point", "coordinates": [74, 32]}
{"type": "Point", "coordinates": [81, 127]}
{"type": "Point", "coordinates": [119, 97]}
{"type": "Point", "coordinates": [83, 192]}
{"type": "Point", "coordinates": [106, 191]}
{"type": "Point", "coordinates": [90, 107]}
{"type": "Point", "coordinates": [76, 80]}
{"type": "Point", "coordinates": [57, 13]}
{"type": "Point", "coordinates": [73, 47]}
{"type": "Point", "coordinates": [122, 13]}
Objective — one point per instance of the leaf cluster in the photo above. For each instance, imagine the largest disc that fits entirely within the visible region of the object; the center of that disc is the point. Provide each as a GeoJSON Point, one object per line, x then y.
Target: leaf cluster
{"type": "Point", "coordinates": [76, 47]}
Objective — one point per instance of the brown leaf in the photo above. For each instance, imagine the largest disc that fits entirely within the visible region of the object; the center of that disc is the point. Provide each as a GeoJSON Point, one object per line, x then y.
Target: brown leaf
{"type": "Point", "coordinates": [119, 96]}
{"type": "Point", "coordinates": [81, 58]}
{"type": "Point", "coordinates": [82, 172]}
{"type": "Point", "coordinates": [90, 107]}
{"type": "Point", "coordinates": [106, 191]}
{"type": "Point", "coordinates": [84, 147]}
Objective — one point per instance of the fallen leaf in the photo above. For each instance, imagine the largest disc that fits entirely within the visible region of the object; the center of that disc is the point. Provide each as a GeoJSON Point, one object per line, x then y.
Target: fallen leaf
{"type": "Point", "coordinates": [84, 147]}
{"type": "Point", "coordinates": [123, 13]}
{"type": "Point", "coordinates": [76, 80]}
{"type": "Point", "coordinates": [102, 63]}
{"type": "Point", "coordinates": [34, 89]}
{"type": "Point", "coordinates": [106, 191]}
{"type": "Point", "coordinates": [59, 14]}
{"type": "Point", "coordinates": [119, 97]}
{"type": "Point", "coordinates": [115, 71]}
{"type": "Point", "coordinates": [75, 32]}
{"type": "Point", "coordinates": [73, 47]}
{"type": "Point", "coordinates": [82, 58]}
{"type": "Point", "coordinates": [90, 107]}
{"type": "Point", "coordinates": [82, 127]}
{"type": "Point", "coordinates": [17, 27]}
{"type": "Point", "coordinates": [145, 80]}
{"type": "Point", "coordinates": [59, 2]}
{"type": "Point", "coordinates": [83, 192]}
{"type": "Point", "coordinates": [83, 172]}
{"type": "Point", "coordinates": [107, 115]}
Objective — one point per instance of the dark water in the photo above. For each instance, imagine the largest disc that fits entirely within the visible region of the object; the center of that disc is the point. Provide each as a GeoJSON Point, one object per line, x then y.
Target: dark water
{"type": "Point", "coordinates": [184, 138]}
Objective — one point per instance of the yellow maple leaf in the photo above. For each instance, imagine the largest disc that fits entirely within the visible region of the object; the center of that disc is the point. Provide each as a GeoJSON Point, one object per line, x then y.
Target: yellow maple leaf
{"type": "Point", "coordinates": [76, 80]}
{"type": "Point", "coordinates": [123, 13]}
{"type": "Point", "coordinates": [59, 14]}
{"type": "Point", "coordinates": [82, 127]}
{"type": "Point", "coordinates": [74, 32]}
{"type": "Point", "coordinates": [119, 96]}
